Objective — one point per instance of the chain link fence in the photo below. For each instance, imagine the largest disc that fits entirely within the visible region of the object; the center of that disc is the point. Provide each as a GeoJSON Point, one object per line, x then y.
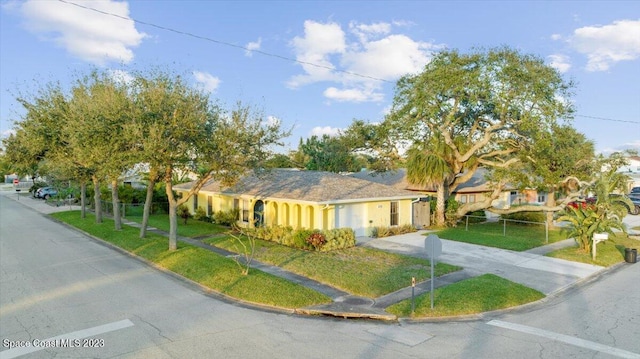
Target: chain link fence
{"type": "Point", "coordinates": [506, 225]}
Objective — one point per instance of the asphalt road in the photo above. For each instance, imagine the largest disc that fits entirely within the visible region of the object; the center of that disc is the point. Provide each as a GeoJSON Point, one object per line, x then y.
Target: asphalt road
{"type": "Point", "coordinates": [98, 303]}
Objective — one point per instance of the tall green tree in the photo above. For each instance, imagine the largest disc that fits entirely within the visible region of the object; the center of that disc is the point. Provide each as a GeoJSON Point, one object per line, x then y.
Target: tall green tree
{"type": "Point", "coordinates": [478, 107]}
{"type": "Point", "coordinates": [177, 130]}
{"type": "Point", "coordinates": [38, 133]}
{"type": "Point", "coordinates": [99, 110]}
{"type": "Point", "coordinates": [329, 153]}
{"type": "Point", "coordinates": [556, 156]}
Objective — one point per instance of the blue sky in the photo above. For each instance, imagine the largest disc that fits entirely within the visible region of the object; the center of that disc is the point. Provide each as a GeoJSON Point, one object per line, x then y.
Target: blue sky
{"type": "Point", "coordinates": [594, 43]}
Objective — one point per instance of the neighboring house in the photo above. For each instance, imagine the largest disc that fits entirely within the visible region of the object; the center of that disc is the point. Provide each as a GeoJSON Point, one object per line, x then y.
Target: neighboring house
{"type": "Point", "coordinates": [632, 170]}
{"type": "Point", "coordinates": [633, 166]}
{"type": "Point", "coordinates": [474, 190]}
{"type": "Point", "coordinates": [307, 199]}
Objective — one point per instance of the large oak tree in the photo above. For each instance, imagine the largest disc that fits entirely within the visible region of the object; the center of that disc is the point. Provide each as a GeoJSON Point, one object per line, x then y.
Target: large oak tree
{"type": "Point", "coordinates": [467, 111]}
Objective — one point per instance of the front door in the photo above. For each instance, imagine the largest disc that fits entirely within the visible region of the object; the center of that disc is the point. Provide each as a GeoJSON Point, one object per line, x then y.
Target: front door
{"type": "Point", "coordinates": [258, 213]}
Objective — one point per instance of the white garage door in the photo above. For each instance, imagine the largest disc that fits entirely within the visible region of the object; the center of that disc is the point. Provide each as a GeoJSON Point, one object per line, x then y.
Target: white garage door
{"type": "Point", "coordinates": [352, 216]}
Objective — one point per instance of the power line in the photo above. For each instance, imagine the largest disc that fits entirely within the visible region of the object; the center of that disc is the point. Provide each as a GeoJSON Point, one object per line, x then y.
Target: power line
{"type": "Point", "coordinates": [225, 43]}
{"type": "Point", "coordinates": [185, 33]}
{"type": "Point", "coordinates": [609, 119]}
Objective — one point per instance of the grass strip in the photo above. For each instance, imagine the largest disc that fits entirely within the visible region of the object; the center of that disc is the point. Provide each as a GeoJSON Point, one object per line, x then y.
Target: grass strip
{"type": "Point", "coordinates": [361, 271]}
{"type": "Point", "coordinates": [491, 234]}
{"type": "Point", "coordinates": [200, 265]}
{"type": "Point", "coordinates": [475, 295]}
{"type": "Point", "coordinates": [608, 253]}
{"type": "Point", "coordinates": [192, 229]}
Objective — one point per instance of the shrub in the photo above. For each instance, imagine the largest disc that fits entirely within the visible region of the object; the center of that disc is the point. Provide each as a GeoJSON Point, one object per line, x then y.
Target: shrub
{"type": "Point", "coordinates": [201, 215]}
{"type": "Point", "coordinates": [379, 232]}
{"type": "Point", "coordinates": [316, 240]}
{"type": "Point", "coordinates": [226, 218]}
{"type": "Point", "coordinates": [307, 239]}
{"type": "Point", "coordinates": [338, 238]}
{"type": "Point", "coordinates": [184, 213]}
{"type": "Point", "coordinates": [538, 217]}
{"type": "Point", "coordinates": [299, 238]}
{"type": "Point", "coordinates": [477, 217]}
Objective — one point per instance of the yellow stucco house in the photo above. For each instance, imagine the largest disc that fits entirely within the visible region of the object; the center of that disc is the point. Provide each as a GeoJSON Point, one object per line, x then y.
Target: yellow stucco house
{"type": "Point", "coordinates": [307, 199]}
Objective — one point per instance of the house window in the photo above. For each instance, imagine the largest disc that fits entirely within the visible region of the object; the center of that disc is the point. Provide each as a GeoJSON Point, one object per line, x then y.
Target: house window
{"type": "Point", "coordinates": [463, 198]}
{"type": "Point", "coordinates": [472, 198]}
{"type": "Point", "coordinates": [393, 221]}
{"type": "Point", "coordinates": [245, 210]}
{"type": "Point", "coordinates": [236, 203]}
{"type": "Point", "coordinates": [209, 205]}
{"type": "Point", "coordinates": [195, 203]}
{"type": "Point", "coordinates": [542, 198]}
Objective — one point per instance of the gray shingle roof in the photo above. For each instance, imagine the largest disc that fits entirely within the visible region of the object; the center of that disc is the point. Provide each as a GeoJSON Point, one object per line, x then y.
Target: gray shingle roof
{"type": "Point", "coordinates": [311, 186]}
{"type": "Point", "coordinates": [398, 179]}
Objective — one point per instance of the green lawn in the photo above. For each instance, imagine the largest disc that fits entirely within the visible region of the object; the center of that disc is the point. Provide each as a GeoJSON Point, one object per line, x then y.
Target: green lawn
{"type": "Point", "coordinates": [518, 237]}
{"type": "Point", "coordinates": [475, 295]}
{"type": "Point", "coordinates": [205, 267]}
{"type": "Point", "coordinates": [361, 271]}
{"type": "Point", "coordinates": [608, 252]}
{"type": "Point", "coordinates": [192, 229]}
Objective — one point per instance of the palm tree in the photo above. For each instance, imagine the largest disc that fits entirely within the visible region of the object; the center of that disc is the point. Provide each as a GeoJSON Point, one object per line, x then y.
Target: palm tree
{"type": "Point", "coordinates": [604, 216]}
{"type": "Point", "coordinates": [432, 163]}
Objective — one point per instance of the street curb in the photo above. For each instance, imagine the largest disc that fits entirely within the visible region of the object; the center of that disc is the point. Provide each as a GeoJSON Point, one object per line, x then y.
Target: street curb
{"type": "Point", "coordinates": [188, 282]}
{"type": "Point", "coordinates": [304, 312]}
{"type": "Point", "coordinates": [583, 282]}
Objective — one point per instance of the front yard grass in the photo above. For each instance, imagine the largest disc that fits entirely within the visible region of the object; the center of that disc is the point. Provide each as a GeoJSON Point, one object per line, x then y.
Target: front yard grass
{"type": "Point", "coordinates": [475, 295]}
{"type": "Point", "coordinates": [518, 237]}
{"type": "Point", "coordinates": [361, 271]}
{"type": "Point", "coordinates": [205, 267]}
{"type": "Point", "coordinates": [608, 253]}
{"type": "Point", "coordinates": [192, 229]}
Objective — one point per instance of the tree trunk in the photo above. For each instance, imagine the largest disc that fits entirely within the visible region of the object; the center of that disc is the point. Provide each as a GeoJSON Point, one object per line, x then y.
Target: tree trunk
{"type": "Point", "coordinates": [551, 202]}
{"type": "Point", "coordinates": [173, 213]}
{"type": "Point", "coordinates": [173, 226]}
{"type": "Point", "coordinates": [116, 204]}
{"type": "Point", "coordinates": [440, 206]}
{"type": "Point", "coordinates": [96, 199]}
{"type": "Point", "coordinates": [83, 200]}
{"type": "Point", "coordinates": [147, 208]}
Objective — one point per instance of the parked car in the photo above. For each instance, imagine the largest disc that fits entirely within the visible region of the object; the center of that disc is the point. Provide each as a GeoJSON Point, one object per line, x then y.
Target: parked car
{"type": "Point", "coordinates": [634, 209]}
{"type": "Point", "coordinates": [635, 191]}
{"type": "Point", "coordinates": [46, 192]}
{"type": "Point", "coordinates": [636, 203]}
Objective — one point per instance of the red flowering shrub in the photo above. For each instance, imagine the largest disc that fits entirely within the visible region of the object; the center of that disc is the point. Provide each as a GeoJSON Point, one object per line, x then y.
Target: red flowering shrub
{"type": "Point", "coordinates": [317, 240]}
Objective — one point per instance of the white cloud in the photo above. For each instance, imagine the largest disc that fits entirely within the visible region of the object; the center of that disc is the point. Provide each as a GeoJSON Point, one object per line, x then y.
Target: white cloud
{"type": "Point", "coordinates": [559, 62]}
{"type": "Point", "coordinates": [635, 145]}
{"type": "Point", "coordinates": [207, 81]}
{"type": "Point", "coordinates": [252, 46]}
{"type": "Point", "coordinates": [319, 42]}
{"type": "Point", "coordinates": [91, 36]}
{"type": "Point", "coordinates": [369, 50]}
{"type": "Point", "coordinates": [326, 130]}
{"type": "Point", "coordinates": [556, 37]}
{"type": "Point", "coordinates": [364, 32]}
{"type": "Point", "coordinates": [352, 94]}
{"type": "Point", "coordinates": [389, 58]}
{"type": "Point", "coordinates": [608, 44]}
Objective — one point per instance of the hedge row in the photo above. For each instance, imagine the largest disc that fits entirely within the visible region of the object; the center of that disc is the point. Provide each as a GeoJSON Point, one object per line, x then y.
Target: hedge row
{"type": "Point", "coordinates": [318, 240]}
{"type": "Point", "coordinates": [379, 232]}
